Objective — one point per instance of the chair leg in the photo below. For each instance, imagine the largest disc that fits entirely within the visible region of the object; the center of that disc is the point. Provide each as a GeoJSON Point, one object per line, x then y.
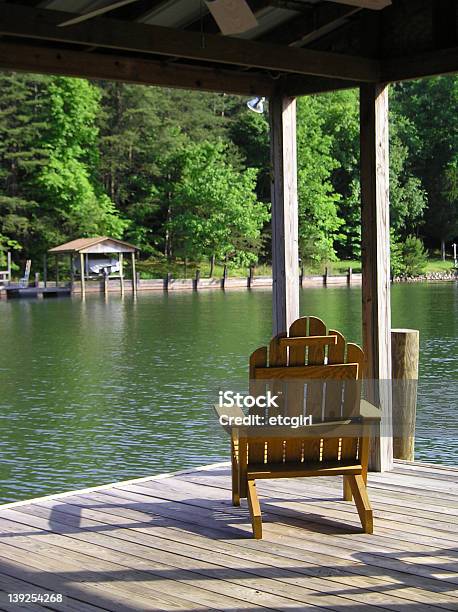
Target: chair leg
{"type": "Point", "coordinates": [358, 488]}
{"type": "Point", "coordinates": [235, 474]}
{"type": "Point", "coordinates": [347, 489]}
{"type": "Point", "coordinates": [242, 467]}
{"type": "Point", "coordinates": [255, 510]}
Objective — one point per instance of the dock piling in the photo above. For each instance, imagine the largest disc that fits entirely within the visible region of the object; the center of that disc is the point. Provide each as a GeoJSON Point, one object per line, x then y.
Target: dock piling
{"type": "Point", "coordinates": [405, 355]}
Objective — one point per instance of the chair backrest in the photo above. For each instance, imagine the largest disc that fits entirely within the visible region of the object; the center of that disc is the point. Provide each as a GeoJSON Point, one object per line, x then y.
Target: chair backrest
{"type": "Point", "coordinates": [314, 373]}
{"type": "Point", "coordinates": [25, 279]}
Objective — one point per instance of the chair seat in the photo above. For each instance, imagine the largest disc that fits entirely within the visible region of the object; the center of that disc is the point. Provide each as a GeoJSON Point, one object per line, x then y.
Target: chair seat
{"type": "Point", "coordinates": [293, 470]}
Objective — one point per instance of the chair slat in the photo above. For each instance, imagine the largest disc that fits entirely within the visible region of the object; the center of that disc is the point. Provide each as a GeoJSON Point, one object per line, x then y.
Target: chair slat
{"type": "Point", "coordinates": [334, 398]}
{"type": "Point", "coordinates": [278, 358]}
{"type": "Point", "coordinates": [257, 387]}
{"type": "Point", "coordinates": [309, 373]}
{"type": "Point", "coordinates": [352, 392]}
{"type": "Point", "coordinates": [295, 398]}
{"type": "Point", "coordinates": [310, 341]}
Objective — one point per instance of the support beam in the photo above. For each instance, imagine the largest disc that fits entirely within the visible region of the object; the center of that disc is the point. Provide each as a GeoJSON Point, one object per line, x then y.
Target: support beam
{"type": "Point", "coordinates": [285, 257]}
{"type": "Point", "coordinates": [152, 72]}
{"type": "Point", "coordinates": [41, 24]}
{"type": "Point", "coordinates": [131, 70]}
{"type": "Point", "coordinates": [444, 61]}
{"type": "Point", "coordinates": [375, 239]}
{"type": "Point", "coordinates": [294, 85]}
{"type": "Point", "coordinates": [374, 5]}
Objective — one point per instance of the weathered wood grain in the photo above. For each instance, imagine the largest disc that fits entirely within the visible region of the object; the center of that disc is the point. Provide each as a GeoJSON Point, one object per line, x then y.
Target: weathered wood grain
{"type": "Point", "coordinates": [177, 543]}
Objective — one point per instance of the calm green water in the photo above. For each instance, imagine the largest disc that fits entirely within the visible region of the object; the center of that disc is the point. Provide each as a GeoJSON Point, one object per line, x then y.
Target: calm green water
{"type": "Point", "coordinates": [97, 392]}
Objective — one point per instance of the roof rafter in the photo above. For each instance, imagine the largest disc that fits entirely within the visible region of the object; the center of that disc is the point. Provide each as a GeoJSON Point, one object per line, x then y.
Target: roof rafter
{"type": "Point", "coordinates": [303, 29]}
{"type": "Point", "coordinates": [19, 21]}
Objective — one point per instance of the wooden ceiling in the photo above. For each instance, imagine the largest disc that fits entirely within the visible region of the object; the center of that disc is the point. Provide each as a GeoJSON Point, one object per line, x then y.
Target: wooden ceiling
{"type": "Point", "coordinates": [299, 46]}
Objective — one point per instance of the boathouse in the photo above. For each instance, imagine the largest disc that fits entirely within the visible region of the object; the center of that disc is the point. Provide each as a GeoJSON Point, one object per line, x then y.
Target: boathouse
{"type": "Point", "coordinates": [93, 259]}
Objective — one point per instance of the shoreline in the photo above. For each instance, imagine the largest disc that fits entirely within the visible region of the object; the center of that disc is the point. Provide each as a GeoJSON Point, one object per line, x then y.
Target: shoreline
{"type": "Point", "coordinates": [169, 284]}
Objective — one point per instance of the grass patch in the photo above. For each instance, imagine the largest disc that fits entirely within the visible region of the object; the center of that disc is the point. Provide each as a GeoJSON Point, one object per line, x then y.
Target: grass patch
{"type": "Point", "coordinates": [435, 264]}
{"type": "Point", "coordinates": [153, 268]}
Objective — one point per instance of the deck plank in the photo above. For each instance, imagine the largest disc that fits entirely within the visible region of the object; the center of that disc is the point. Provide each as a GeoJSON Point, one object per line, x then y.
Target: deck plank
{"type": "Point", "coordinates": [176, 543]}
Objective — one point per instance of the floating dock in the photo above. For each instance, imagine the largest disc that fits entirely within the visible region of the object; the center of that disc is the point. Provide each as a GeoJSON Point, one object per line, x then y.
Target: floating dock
{"type": "Point", "coordinates": [35, 292]}
{"type": "Point", "coordinates": [175, 542]}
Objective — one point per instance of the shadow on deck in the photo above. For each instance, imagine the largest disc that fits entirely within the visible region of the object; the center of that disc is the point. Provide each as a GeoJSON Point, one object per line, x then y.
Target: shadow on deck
{"type": "Point", "coordinates": [176, 543]}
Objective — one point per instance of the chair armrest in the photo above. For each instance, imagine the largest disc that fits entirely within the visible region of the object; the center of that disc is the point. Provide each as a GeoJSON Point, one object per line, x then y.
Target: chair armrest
{"type": "Point", "coordinates": [226, 416]}
{"type": "Point", "coordinates": [369, 412]}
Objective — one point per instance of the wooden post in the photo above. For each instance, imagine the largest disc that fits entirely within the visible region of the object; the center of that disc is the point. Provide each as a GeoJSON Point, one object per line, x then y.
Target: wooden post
{"type": "Point", "coordinates": [37, 279]}
{"type": "Point", "coordinates": [83, 283]}
{"type": "Point", "coordinates": [212, 266]}
{"type": "Point", "coordinates": [8, 265]}
{"type": "Point", "coordinates": [301, 274]}
{"type": "Point", "coordinates": [196, 280]}
{"type": "Point", "coordinates": [106, 276]}
{"type": "Point", "coordinates": [72, 274]}
{"type": "Point", "coordinates": [375, 247]}
{"type": "Point", "coordinates": [134, 275]}
{"type": "Point", "coordinates": [250, 277]}
{"type": "Point", "coordinates": [325, 276]}
{"type": "Point", "coordinates": [285, 256]}
{"type": "Point", "coordinates": [45, 270]}
{"type": "Point", "coordinates": [224, 276]}
{"type": "Point", "coordinates": [168, 278]}
{"type": "Point", "coordinates": [350, 276]}
{"type": "Point", "coordinates": [121, 272]}
{"type": "Point", "coordinates": [87, 266]}
{"type": "Point", "coordinates": [57, 270]}
{"type": "Point", "coordinates": [405, 350]}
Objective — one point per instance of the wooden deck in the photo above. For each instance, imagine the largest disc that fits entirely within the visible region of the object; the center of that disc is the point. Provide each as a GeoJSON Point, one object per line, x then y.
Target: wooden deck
{"type": "Point", "coordinates": [175, 543]}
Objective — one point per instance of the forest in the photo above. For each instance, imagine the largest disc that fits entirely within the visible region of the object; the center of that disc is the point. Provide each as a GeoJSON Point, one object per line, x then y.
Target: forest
{"type": "Point", "coordinates": [185, 176]}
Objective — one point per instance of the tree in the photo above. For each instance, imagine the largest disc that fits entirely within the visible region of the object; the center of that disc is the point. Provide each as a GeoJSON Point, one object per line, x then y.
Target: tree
{"type": "Point", "coordinates": [22, 155]}
{"type": "Point", "coordinates": [318, 219]}
{"type": "Point", "coordinates": [250, 133]}
{"type": "Point", "coordinates": [340, 112]}
{"type": "Point", "coordinates": [68, 179]}
{"type": "Point", "coordinates": [431, 138]}
{"type": "Point", "coordinates": [407, 196]}
{"type": "Point", "coordinates": [215, 210]}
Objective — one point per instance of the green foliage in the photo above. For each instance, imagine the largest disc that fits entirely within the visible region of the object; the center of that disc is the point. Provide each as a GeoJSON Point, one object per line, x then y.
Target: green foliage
{"type": "Point", "coordinates": [407, 196]}
{"type": "Point", "coordinates": [430, 131]}
{"type": "Point", "coordinates": [318, 218]}
{"type": "Point", "coordinates": [67, 180]}
{"type": "Point", "coordinates": [187, 175]}
{"type": "Point", "coordinates": [340, 112]}
{"type": "Point", "coordinates": [408, 257]}
{"type": "Point", "coordinates": [214, 210]}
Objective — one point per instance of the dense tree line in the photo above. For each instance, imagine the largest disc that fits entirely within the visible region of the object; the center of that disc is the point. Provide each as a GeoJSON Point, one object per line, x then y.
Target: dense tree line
{"type": "Point", "coordinates": [186, 175]}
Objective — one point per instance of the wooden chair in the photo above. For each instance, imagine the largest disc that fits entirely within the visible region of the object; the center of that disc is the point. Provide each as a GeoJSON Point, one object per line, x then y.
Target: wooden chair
{"type": "Point", "coordinates": [313, 372]}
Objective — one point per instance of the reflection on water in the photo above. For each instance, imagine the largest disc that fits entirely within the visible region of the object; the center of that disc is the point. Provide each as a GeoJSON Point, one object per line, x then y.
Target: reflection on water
{"type": "Point", "coordinates": [93, 392]}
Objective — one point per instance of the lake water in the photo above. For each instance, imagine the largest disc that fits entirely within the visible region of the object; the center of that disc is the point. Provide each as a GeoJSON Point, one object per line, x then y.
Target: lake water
{"type": "Point", "coordinates": [94, 392]}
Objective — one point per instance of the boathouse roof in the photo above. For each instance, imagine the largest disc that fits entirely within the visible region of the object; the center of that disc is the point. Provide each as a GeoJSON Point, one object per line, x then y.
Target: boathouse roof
{"type": "Point", "coordinates": [98, 244]}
